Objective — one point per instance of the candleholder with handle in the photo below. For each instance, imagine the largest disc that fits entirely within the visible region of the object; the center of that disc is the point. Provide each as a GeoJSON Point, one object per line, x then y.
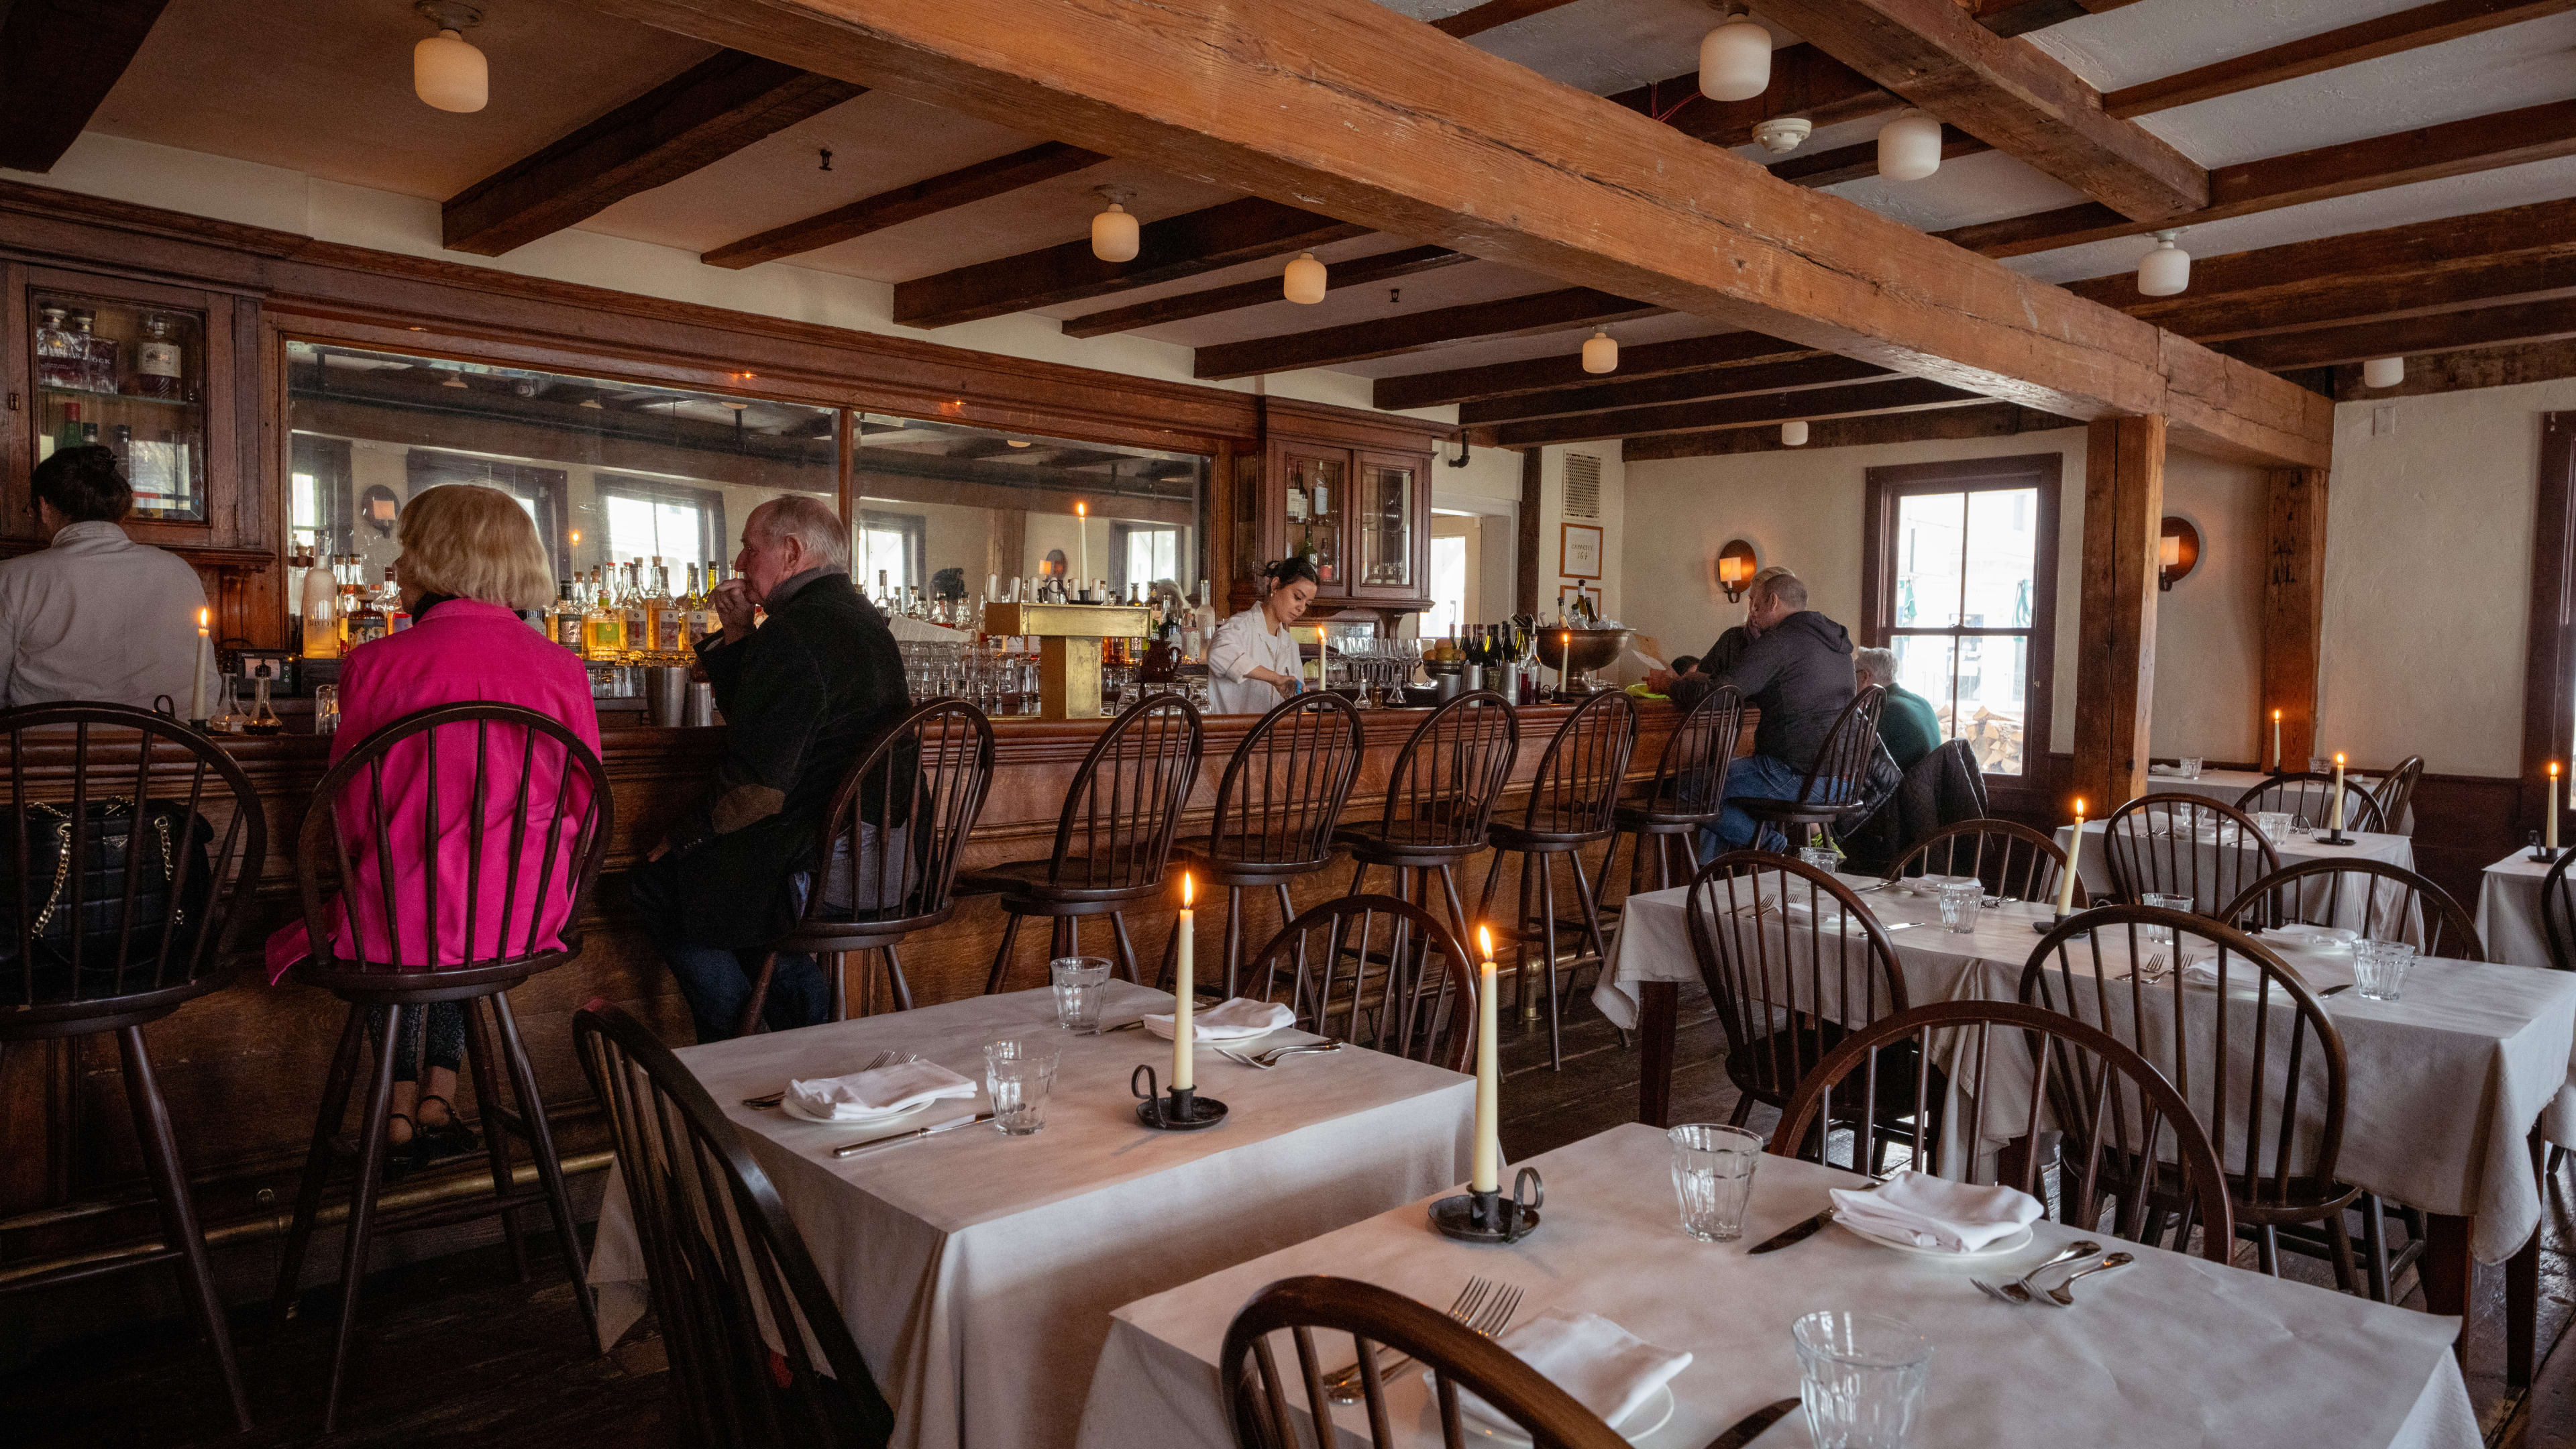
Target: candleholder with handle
{"type": "Point", "coordinates": [1181, 1109]}
{"type": "Point", "coordinates": [1490, 1217]}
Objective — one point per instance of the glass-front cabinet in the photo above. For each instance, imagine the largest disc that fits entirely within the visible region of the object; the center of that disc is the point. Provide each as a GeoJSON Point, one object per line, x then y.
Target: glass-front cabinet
{"type": "Point", "coordinates": [1347, 491]}
{"type": "Point", "coordinates": [1383, 523]}
{"type": "Point", "coordinates": [130, 376]}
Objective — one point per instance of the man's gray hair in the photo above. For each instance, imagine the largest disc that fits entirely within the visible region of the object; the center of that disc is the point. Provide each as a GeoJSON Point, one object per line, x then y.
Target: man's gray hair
{"type": "Point", "coordinates": [1779, 583]}
{"type": "Point", "coordinates": [1878, 664]}
{"type": "Point", "coordinates": [809, 521]}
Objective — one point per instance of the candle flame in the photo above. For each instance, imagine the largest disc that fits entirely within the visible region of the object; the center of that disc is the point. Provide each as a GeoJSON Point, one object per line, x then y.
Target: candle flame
{"type": "Point", "coordinates": [204, 616]}
{"type": "Point", "coordinates": [1189, 889]}
{"type": "Point", "coordinates": [1082, 510]}
{"type": "Point", "coordinates": [2276, 716]}
{"type": "Point", "coordinates": [1485, 941]}
{"type": "Point", "coordinates": [2079, 807]}
{"type": "Point", "coordinates": [2338, 759]}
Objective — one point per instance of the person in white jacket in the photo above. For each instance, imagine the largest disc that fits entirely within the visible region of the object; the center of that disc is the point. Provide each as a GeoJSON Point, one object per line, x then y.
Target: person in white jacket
{"type": "Point", "coordinates": [95, 615]}
{"type": "Point", "coordinates": [1253, 663]}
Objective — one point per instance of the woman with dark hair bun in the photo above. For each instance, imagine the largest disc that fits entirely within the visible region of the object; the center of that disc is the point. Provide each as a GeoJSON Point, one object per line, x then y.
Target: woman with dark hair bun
{"type": "Point", "coordinates": [1253, 663]}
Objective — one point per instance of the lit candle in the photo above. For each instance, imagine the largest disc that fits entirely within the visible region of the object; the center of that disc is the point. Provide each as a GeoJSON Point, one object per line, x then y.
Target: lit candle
{"type": "Point", "coordinates": [2277, 762]}
{"type": "Point", "coordinates": [2074, 852]}
{"type": "Point", "coordinates": [2549, 822]}
{"type": "Point", "coordinates": [2338, 800]}
{"type": "Point", "coordinates": [1186, 995]}
{"type": "Point", "coordinates": [1564, 659]}
{"type": "Point", "coordinates": [197, 684]}
{"type": "Point", "coordinates": [1487, 1174]}
{"type": "Point", "coordinates": [1082, 542]}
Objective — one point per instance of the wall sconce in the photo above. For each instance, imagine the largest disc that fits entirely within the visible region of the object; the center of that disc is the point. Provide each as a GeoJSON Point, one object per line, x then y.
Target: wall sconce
{"type": "Point", "coordinates": [2177, 551]}
{"type": "Point", "coordinates": [1736, 566]}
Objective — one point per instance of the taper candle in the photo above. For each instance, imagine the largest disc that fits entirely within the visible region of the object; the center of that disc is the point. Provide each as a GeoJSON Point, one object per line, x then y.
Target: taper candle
{"type": "Point", "coordinates": [2338, 800]}
{"type": "Point", "coordinates": [2550, 821]}
{"type": "Point", "coordinates": [1082, 542]}
{"type": "Point", "coordinates": [1185, 993]}
{"type": "Point", "coordinates": [2074, 852]}
{"type": "Point", "coordinates": [1487, 1173]}
{"type": "Point", "coordinates": [2278, 762]}
{"type": "Point", "coordinates": [197, 685]}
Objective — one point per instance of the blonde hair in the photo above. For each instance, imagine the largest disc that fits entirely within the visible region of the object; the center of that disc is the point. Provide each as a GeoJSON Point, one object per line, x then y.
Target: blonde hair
{"type": "Point", "coordinates": [472, 542]}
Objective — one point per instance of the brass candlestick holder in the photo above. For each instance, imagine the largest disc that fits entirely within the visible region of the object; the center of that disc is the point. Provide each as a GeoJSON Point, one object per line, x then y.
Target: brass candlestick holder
{"type": "Point", "coordinates": [1069, 648]}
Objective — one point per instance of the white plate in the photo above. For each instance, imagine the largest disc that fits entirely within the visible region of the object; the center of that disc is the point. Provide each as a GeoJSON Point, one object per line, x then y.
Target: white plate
{"type": "Point", "coordinates": [1653, 1414]}
{"type": "Point", "coordinates": [1929, 886]}
{"type": "Point", "coordinates": [789, 1106]}
{"type": "Point", "coordinates": [2002, 1248]}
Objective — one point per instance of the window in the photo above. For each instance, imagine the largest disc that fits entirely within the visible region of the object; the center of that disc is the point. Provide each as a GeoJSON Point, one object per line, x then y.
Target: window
{"type": "Point", "coordinates": [1144, 553]}
{"type": "Point", "coordinates": [647, 518]}
{"type": "Point", "coordinates": [1448, 585]}
{"type": "Point", "coordinates": [890, 549]}
{"type": "Point", "coordinates": [1961, 585]}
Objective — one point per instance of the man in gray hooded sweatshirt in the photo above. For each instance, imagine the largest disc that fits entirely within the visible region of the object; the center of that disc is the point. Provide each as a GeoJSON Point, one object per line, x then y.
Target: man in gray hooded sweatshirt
{"type": "Point", "coordinates": [1798, 671]}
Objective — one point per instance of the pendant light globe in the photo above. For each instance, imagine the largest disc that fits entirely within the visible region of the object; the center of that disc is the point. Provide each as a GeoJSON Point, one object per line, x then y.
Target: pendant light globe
{"type": "Point", "coordinates": [1735, 59]}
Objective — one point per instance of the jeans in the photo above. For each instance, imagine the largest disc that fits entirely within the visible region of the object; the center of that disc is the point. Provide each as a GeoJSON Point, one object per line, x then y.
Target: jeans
{"type": "Point", "coordinates": [716, 980]}
{"type": "Point", "coordinates": [1755, 777]}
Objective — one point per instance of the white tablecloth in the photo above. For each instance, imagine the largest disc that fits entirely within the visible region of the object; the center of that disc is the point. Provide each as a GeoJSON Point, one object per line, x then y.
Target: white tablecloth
{"type": "Point", "coordinates": [2445, 1084]}
{"type": "Point", "coordinates": [2224, 786]}
{"type": "Point", "coordinates": [978, 1271]}
{"type": "Point", "coordinates": [2168, 1351]}
{"type": "Point", "coordinates": [2509, 924]}
{"type": "Point", "coordinates": [2094, 868]}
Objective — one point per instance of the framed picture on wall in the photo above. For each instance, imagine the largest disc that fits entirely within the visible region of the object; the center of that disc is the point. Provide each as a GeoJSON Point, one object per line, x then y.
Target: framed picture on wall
{"type": "Point", "coordinates": [1578, 548]}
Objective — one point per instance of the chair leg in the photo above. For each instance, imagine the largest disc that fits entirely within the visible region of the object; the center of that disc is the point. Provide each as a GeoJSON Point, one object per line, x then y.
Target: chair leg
{"type": "Point", "coordinates": [1457, 913]}
{"type": "Point", "coordinates": [752, 1009]}
{"type": "Point", "coordinates": [1547, 918]}
{"type": "Point", "coordinates": [2374, 1246]}
{"type": "Point", "coordinates": [1743, 1110]}
{"type": "Point", "coordinates": [2341, 1239]}
{"type": "Point", "coordinates": [178, 1210]}
{"type": "Point", "coordinates": [1126, 947]}
{"type": "Point", "coordinates": [1002, 954]}
{"type": "Point", "coordinates": [2267, 1249]}
{"type": "Point", "coordinates": [1233, 938]}
{"type": "Point", "coordinates": [372, 1134]}
{"type": "Point", "coordinates": [899, 988]}
{"type": "Point", "coordinates": [317, 1162]}
{"type": "Point", "coordinates": [1287, 913]}
{"type": "Point", "coordinates": [541, 1142]}
{"type": "Point", "coordinates": [841, 986]}
{"type": "Point", "coordinates": [1590, 900]}
{"type": "Point", "coordinates": [1169, 973]}
{"type": "Point", "coordinates": [480, 1056]}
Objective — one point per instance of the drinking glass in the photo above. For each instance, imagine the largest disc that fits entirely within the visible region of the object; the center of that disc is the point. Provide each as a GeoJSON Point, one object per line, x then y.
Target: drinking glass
{"type": "Point", "coordinates": [1862, 1378]}
{"type": "Point", "coordinates": [2379, 968]}
{"type": "Point", "coordinates": [1078, 980]}
{"type": "Point", "coordinates": [2170, 903]}
{"type": "Point", "coordinates": [1821, 858]}
{"type": "Point", "coordinates": [2190, 767]}
{"type": "Point", "coordinates": [1960, 901]}
{"type": "Point", "coordinates": [326, 709]}
{"type": "Point", "coordinates": [1018, 1074]}
{"type": "Point", "coordinates": [2275, 824]}
{"type": "Point", "coordinates": [1713, 1178]}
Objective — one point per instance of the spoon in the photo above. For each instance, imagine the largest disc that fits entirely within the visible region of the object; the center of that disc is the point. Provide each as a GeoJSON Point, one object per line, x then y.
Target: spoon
{"type": "Point", "coordinates": [2063, 1297]}
{"type": "Point", "coordinates": [2085, 1249]}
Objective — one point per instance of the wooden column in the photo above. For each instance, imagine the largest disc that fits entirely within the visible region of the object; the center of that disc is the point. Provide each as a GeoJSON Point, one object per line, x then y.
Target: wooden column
{"type": "Point", "coordinates": [1525, 538]}
{"type": "Point", "coordinates": [2293, 610]}
{"type": "Point", "coordinates": [2115, 670]}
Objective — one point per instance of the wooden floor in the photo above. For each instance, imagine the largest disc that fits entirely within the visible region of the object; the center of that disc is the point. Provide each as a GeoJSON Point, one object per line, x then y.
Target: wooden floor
{"type": "Point", "coordinates": [455, 1353]}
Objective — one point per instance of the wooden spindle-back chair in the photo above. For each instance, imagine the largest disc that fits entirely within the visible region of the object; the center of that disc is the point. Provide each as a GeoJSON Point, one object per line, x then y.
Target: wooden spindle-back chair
{"type": "Point", "coordinates": [1440, 798]}
{"type": "Point", "coordinates": [2154, 845]}
{"type": "Point", "coordinates": [1277, 806]}
{"type": "Point", "coordinates": [2308, 799]}
{"type": "Point", "coordinates": [1570, 804]}
{"type": "Point", "coordinates": [2011, 859]}
{"type": "Point", "coordinates": [1685, 795]}
{"type": "Point", "coordinates": [1376, 972]}
{"type": "Point", "coordinates": [1838, 778]}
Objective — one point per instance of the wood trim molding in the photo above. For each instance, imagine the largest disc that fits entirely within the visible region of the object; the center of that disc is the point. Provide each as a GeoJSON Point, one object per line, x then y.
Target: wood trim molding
{"type": "Point", "coordinates": [2549, 682]}
{"type": "Point", "coordinates": [2115, 669]}
{"type": "Point", "coordinates": [2294, 608]}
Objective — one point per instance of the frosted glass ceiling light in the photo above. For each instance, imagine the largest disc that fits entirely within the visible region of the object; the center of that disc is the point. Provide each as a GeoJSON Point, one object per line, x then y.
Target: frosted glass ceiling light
{"type": "Point", "coordinates": [1600, 351]}
{"type": "Point", "coordinates": [1113, 232]}
{"type": "Point", "coordinates": [1909, 147]}
{"type": "Point", "coordinates": [2383, 372]}
{"type": "Point", "coordinates": [1735, 58]}
{"type": "Point", "coordinates": [2165, 271]}
{"type": "Point", "coordinates": [1793, 435]}
{"type": "Point", "coordinates": [446, 71]}
{"type": "Point", "coordinates": [1303, 283]}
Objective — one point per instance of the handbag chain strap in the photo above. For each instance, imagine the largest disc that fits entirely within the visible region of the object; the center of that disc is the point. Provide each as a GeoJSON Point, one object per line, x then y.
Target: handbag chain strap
{"type": "Point", "coordinates": [63, 856]}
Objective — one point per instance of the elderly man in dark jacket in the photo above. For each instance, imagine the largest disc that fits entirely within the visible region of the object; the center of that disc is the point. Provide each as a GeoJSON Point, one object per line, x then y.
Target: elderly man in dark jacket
{"type": "Point", "coordinates": [802, 695]}
{"type": "Point", "coordinates": [1797, 670]}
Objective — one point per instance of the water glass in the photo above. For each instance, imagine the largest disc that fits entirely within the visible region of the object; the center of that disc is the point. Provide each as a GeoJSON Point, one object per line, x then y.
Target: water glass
{"type": "Point", "coordinates": [2379, 968]}
{"type": "Point", "coordinates": [1018, 1074]}
{"type": "Point", "coordinates": [2275, 824]}
{"type": "Point", "coordinates": [1713, 1178]}
{"type": "Point", "coordinates": [1960, 901]}
{"type": "Point", "coordinates": [1078, 980]}
{"type": "Point", "coordinates": [2170, 903]}
{"type": "Point", "coordinates": [1862, 1378]}
{"type": "Point", "coordinates": [1821, 858]}
{"type": "Point", "coordinates": [2190, 767]}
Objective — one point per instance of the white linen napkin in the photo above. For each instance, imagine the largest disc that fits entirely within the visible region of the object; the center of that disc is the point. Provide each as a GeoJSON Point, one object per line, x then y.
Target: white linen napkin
{"type": "Point", "coordinates": [2308, 938]}
{"type": "Point", "coordinates": [1934, 1212]}
{"type": "Point", "coordinates": [1237, 1019]}
{"type": "Point", "coordinates": [880, 1093]}
{"type": "Point", "coordinates": [1604, 1367]}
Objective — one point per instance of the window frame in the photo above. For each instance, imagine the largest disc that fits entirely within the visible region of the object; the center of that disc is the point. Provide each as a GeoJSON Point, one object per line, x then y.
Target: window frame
{"type": "Point", "coordinates": [2043, 473]}
{"type": "Point", "coordinates": [914, 527]}
{"type": "Point", "coordinates": [1121, 531]}
{"type": "Point", "coordinates": [709, 502]}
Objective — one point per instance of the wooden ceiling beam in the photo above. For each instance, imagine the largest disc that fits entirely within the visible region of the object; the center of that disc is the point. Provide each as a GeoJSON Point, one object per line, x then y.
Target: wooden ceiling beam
{"type": "Point", "coordinates": [2348, 45]}
{"type": "Point", "coordinates": [1477, 19]}
{"type": "Point", "coordinates": [1680, 387]}
{"type": "Point", "coordinates": [1804, 82]}
{"type": "Point", "coordinates": [2458, 371]}
{"type": "Point", "coordinates": [696, 118]}
{"type": "Point", "coordinates": [58, 61]}
{"type": "Point", "coordinates": [1418, 331]}
{"type": "Point", "coordinates": [2438, 332]}
{"type": "Point", "coordinates": [1860, 162]}
{"type": "Point", "coordinates": [1986, 420]}
{"type": "Point", "coordinates": [2007, 93]}
{"type": "Point", "coordinates": [1540, 374]}
{"type": "Point", "coordinates": [980, 182]}
{"type": "Point", "coordinates": [1168, 250]}
{"type": "Point", "coordinates": [1905, 394]}
{"type": "Point", "coordinates": [2020, 17]}
{"type": "Point", "coordinates": [1383, 267]}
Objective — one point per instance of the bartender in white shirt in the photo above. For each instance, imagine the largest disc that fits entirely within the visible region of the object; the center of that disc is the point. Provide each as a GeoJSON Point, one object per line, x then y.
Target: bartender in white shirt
{"type": "Point", "coordinates": [1253, 663]}
{"type": "Point", "coordinates": [96, 616]}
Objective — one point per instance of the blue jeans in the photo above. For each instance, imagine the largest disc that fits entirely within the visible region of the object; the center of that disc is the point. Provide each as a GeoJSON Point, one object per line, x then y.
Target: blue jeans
{"type": "Point", "coordinates": [716, 980]}
{"type": "Point", "coordinates": [1755, 777]}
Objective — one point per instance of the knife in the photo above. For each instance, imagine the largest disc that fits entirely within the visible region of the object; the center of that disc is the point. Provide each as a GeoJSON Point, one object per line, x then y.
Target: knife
{"type": "Point", "coordinates": [1750, 1427]}
{"type": "Point", "coordinates": [858, 1147]}
{"type": "Point", "coordinates": [1801, 1230]}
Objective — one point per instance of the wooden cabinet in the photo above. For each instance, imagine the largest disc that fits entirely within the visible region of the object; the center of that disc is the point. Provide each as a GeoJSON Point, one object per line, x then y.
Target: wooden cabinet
{"type": "Point", "coordinates": [1349, 489]}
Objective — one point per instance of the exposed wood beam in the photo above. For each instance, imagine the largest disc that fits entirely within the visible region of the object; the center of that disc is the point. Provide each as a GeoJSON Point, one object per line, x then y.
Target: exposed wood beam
{"type": "Point", "coordinates": [2457, 148]}
{"type": "Point", "coordinates": [2007, 93]}
{"type": "Point", "coordinates": [1419, 331]}
{"type": "Point", "coordinates": [1477, 19]}
{"type": "Point", "coordinates": [698, 117]}
{"type": "Point", "coordinates": [1856, 163]}
{"type": "Point", "coordinates": [2438, 332]}
{"type": "Point", "coordinates": [979, 182]}
{"type": "Point", "coordinates": [2115, 672]}
{"type": "Point", "coordinates": [1540, 374]}
{"type": "Point", "coordinates": [1187, 245]}
{"type": "Point", "coordinates": [2460, 371]}
{"type": "Point", "coordinates": [1804, 82]}
{"type": "Point", "coordinates": [1358, 112]}
{"type": "Point", "coordinates": [2349, 45]}
{"type": "Point", "coordinates": [1986, 420]}
{"type": "Point", "coordinates": [1383, 267]}
{"type": "Point", "coordinates": [1902, 395]}
{"type": "Point", "coordinates": [2294, 609]}
{"type": "Point", "coordinates": [2020, 17]}
{"type": "Point", "coordinates": [58, 61]}
{"type": "Point", "coordinates": [1679, 387]}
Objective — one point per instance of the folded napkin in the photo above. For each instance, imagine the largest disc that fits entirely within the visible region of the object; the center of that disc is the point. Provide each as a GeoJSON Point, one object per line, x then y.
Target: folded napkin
{"type": "Point", "coordinates": [1604, 1367]}
{"type": "Point", "coordinates": [1237, 1019]}
{"type": "Point", "coordinates": [883, 1092]}
{"type": "Point", "coordinates": [2307, 938]}
{"type": "Point", "coordinates": [1934, 1212]}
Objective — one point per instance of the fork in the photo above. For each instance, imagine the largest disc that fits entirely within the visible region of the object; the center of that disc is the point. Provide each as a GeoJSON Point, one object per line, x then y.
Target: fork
{"type": "Point", "coordinates": [2024, 1290]}
{"type": "Point", "coordinates": [1273, 1057]}
{"type": "Point", "coordinates": [883, 1059]}
{"type": "Point", "coordinates": [2063, 1296]}
{"type": "Point", "coordinates": [1484, 1306]}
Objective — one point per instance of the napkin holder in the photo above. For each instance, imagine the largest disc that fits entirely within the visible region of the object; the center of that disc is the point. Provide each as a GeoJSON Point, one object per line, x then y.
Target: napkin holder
{"type": "Point", "coordinates": [1490, 1217]}
{"type": "Point", "coordinates": [1181, 1109]}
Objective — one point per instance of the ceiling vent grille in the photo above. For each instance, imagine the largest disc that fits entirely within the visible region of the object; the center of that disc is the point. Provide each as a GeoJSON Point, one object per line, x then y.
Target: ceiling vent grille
{"type": "Point", "coordinates": [1582, 486]}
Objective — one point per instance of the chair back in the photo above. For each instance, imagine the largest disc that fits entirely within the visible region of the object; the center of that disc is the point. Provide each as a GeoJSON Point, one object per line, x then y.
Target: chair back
{"type": "Point", "coordinates": [1788, 983]}
{"type": "Point", "coordinates": [2013, 860]}
{"type": "Point", "coordinates": [1586, 763]}
{"type": "Point", "coordinates": [1377, 972]}
{"type": "Point", "coordinates": [1283, 791]}
{"type": "Point", "coordinates": [2395, 796]}
{"type": "Point", "coordinates": [897, 827]}
{"type": "Point", "coordinates": [2308, 798]}
{"type": "Point", "coordinates": [727, 1271]}
{"type": "Point", "coordinates": [1840, 774]}
{"type": "Point", "coordinates": [2114, 1108]}
{"type": "Point", "coordinates": [2226, 1022]}
{"type": "Point", "coordinates": [2184, 845]}
{"type": "Point", "coordinates": [2558, 913]}
{"type": "Point", "coordinates": [1690, 775]}
{"type": "Point", "coordinates": [464, 838]}
{"type": "Point", "coordinates": [1441, 794]}
{"type": "Point", "coordinates": [2383, 902]}
{"type": "Point", "coordinates": [1266, 1413]}
{"type": "Point", "coordinates": [1116, 830]}
{"type": "Point", "coordinates": [120, 901]}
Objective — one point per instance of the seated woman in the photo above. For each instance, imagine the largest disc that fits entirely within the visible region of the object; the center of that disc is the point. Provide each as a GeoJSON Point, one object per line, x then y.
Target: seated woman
{"type": "Point", "coordinates": [470, 557]}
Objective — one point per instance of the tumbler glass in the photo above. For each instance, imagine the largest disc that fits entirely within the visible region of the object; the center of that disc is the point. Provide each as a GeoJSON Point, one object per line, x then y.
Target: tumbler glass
{"type": "Point", "coordinates": [2170, 903]}
{"type": "Point", "coordinates": [1078, 980]}
{"type": "Point", "coordinates": [1960, 902]}
{"type": "Point", "coordinates": [1862, 1379]}
{"type": "Point", "coordinates": [1019, 1072]}
{"type": "Point", "coordinates": [2379, 968]}
{"type": "Point", "coordinates": [1713, 1178]}
{"type": "Point", "coordinates": [1820, 858]}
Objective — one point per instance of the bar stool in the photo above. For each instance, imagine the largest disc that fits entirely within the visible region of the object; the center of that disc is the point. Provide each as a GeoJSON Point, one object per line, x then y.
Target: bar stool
{"type": "Point", "coordinates": [517, 829]}
{"type": "Point", "coordinates": [144, 925]}
{"type": "Point", "coordinates": [1836, 780]}
{"type": "Point", "coordinates": [1439, 799]}
{"type": "Point", "coordinates": [924, 779]}
{"type": "Point", "coordinates": [1114, 837]}
{"type": "Point", "coordinates": [1688, 790]}
{"type": "Point", "coordinates": [1570, 807]}
{"type": "Point", "coordinates": [1276, 809]}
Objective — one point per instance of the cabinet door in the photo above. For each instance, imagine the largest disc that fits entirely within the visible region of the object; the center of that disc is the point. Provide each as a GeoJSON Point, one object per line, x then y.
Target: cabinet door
{"type": "Point", "coordinates": [140, 369]}
{"type": "Point", "coordinates": [1314, 499]}
{"type": "Point", "coordinates": [1388, 517]}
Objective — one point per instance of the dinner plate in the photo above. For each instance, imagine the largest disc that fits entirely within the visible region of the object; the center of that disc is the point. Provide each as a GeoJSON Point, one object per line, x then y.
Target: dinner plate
{"type": "Point", "coordinates": [1929, 886]}
{"type": "Point", "coordinates": [1653, 1414]}
{"type": "Point", "coordinates": [788, 1104]}
{"type": "Point", "coordinates": [2002, 1247]}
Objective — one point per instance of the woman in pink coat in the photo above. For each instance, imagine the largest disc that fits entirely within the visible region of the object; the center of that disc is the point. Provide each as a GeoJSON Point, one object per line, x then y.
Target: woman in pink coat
{"type": "Point", "coordinates": [470, 557]}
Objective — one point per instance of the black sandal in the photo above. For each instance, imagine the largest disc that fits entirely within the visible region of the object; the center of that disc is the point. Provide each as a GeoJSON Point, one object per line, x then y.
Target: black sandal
{"type": "Point", "coordinates": [401, 1157]}
{"type": "Point", "coordinates": [429, 1144]}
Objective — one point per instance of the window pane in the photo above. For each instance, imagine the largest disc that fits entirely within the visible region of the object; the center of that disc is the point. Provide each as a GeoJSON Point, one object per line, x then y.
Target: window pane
{"type": "Point", "coordinates": [883, 556]}
{"type": "Point", "coordinates": [1994, 694]}
{"type": "Point", "coordinates": [1923, 664]}
{"type": "Point", "coordinates": [1448, 586]}
{"type": "Point", "coordinates": [2002, 547]}
{"type": "Point", "coordinates": [1928, 529]}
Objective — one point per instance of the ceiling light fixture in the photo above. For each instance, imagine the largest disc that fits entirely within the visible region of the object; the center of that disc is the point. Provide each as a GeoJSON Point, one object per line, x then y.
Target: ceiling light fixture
{"type": "Point", "coordinates": [1600, 351]}
{"type": "Point", "coordinates": [1909, 147]}
{"type": "Point", "coordinates": [1793, 434]}
{"type": "Point", "coordinates": [446, 71]}
{"type": "Point", "coordinates": [1781, 135]}
{"type": "Point", "coordinates": [1735, 58]}
{"type": "Point", "coordinates": [453, 380]}
{"type": "Point", "coordinates": [2165, 271]}
{"type": "Point", "coordinates": [1018, 442]}
{"type": "Point", "coordinates": [1113, 231]}
{"type": "Point", "coordinates": [2383, 372]}
{"type": "Point", "coordinates": [1303, 283]}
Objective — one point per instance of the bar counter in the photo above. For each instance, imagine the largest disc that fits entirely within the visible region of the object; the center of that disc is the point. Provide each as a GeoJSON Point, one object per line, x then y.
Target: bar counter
{"type": "Point", "coordinates": [243, 1067]}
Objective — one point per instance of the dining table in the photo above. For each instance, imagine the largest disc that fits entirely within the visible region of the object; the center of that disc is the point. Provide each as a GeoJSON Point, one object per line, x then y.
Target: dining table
{"type": "Point", "coordinates": [2170, 1349]}
{"type": "Point", "coordinates": [2224, 786]}
{"type": "Point", "coordinates": [2295, 847]}
{"type": "Point", "coordinates": [2509, 923]}
{"type": "Point", "coordinates": [977, 1270]}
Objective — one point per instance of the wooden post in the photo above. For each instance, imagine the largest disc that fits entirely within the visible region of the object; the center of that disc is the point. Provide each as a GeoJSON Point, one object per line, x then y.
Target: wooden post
{"type": "Point", "coordinates": [2115, 670]}
{"type": "Point", "coordinates": [2293, 612]}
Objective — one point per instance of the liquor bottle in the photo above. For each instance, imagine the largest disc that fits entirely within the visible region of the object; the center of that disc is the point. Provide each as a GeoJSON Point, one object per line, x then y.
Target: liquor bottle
{"type": "Point", "coordinates": [160, 369]}
{"type": "Point", "coordinates": [98, 354]}
{"type": "Point", "coordinates": [603, 626]}
{"type": "Point", "coordinates": [367, 621]}
{"type": "Point", "coordinates": [389, 599]}
{"type": "Point", "coordinates": [639, 623]}
{"type": "Point", "coordinates": [670, 619]}
{"type": "Point", "coordinates": [885, 602]}
{"type": "Point", "coordinates": [60, 357]}
{"type": "Point", "coordinates": [703, 624]}
{"type": "Point", "coordinates": [563, 619]}
{"type": "Point", "coordinates": [73, 433]}
{"type": "Point", "coordinates": [320, 610]}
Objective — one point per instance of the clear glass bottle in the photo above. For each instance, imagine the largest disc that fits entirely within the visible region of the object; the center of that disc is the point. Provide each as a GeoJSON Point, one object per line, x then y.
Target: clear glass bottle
{"type": "Point", "coordinates": [60, 357]}
{"type": "Point", "coordinates": [670, 620]}
{"type": "Point", "coordinates": [263, 717]}
{"type": "Point", "coordinates": [639, 623]}
{"type": "Point", "coordinates": [98, 354]}
{"type": "Point", "coordinates": [160, 365]}
{"type": "Point", "coordinates": [563, 622]}
{"type": "Point", "coordinates": [389, 600]}
{"type": "Point", "coordinates": [319, 611]}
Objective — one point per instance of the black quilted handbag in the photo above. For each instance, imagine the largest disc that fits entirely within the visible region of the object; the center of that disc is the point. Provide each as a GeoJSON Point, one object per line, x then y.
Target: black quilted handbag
{"type": "Point", "coordinates": [171, 834]}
